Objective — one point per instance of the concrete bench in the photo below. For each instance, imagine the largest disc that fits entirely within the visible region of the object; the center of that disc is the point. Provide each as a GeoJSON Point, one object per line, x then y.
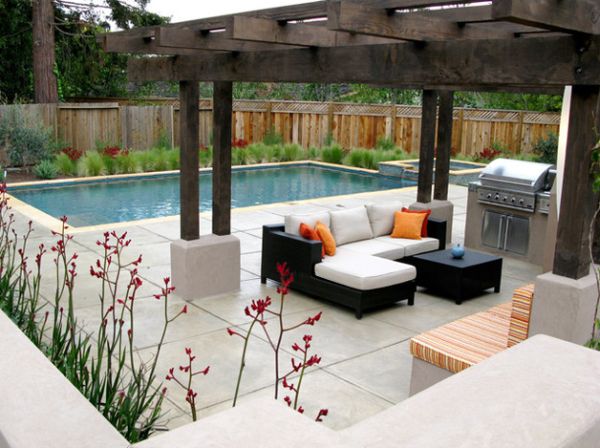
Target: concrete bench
{"type": "Point", "coordinates": [453, 347]}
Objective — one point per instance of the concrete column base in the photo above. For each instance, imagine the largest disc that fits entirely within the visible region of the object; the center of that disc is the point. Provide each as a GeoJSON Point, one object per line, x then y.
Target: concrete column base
{"type": "Point", "coordinates": [563, 307]}
{"type": "Point", "coordinates": [439, 210]}
{"type": "Point", "coordinates": [425, 375]}
{"type": "Point", "coordinates": [205, 267]}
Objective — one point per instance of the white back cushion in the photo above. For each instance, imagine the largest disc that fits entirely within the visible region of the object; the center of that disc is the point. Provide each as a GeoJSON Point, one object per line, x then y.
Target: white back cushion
{"type": "Point", "coordinates": [292, 222]}
{"type": "Point", "coordinates": [350, 225]}
{"type": "Point", "coordinates": [381, 217]}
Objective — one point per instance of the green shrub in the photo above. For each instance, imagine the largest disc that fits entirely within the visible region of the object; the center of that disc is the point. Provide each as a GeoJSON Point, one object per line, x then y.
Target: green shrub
{"type": "Point", "coordinates": [385, 144]}
{"type": "Point", "coordinates": [273, 138]}
{"type": "Point", "coordinates": [91, 164]}
{"type": "Point", "coordinates": [65, 165]}
{"type": "Point", "coordinates": [546, 149]}
{"type": "Point", "coordinates": [25, 144]}
{"type": "Point", "coordinates": [354, 158]}
{"type": "Point", "coordinates": [206, 157]}
{"type": "Point", "coordinates": [291, 153]}
{"type": "Point", "coordinates": [332, 154]}
{"type": "Point", "coordinates": [160, 159]}
{"type": "Point", "coordinates": [110, 165]}
{"type": "Point", "coordinates": [173, 159]}
{"type": "Point", "coordinates": [144, 160]}
{"type": "Point", "coordinates": [164, 141]}
{"type": "Point", "coordinates": [329, 139]}
{"type": "Point", "coordinates": [239, 156]}
{"type": "Point", "coordinates": [45, 170]}
{"type": "Point", "coordinates": [126, 163]}
{"type": "Point", "coordinates": [313, 153]}
{"type": "Point", "coordinates": [258, 152]}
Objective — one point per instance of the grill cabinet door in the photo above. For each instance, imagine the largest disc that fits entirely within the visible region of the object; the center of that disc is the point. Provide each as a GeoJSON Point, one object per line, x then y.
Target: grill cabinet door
{"type": "Point", "coordinates": [517, 235]}
{"type": "Point", "coordinates": [493, 229]}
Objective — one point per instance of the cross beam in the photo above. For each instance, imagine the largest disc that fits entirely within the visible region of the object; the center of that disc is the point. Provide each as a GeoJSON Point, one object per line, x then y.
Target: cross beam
{"type": "Point", "coordinates": [517, 62]}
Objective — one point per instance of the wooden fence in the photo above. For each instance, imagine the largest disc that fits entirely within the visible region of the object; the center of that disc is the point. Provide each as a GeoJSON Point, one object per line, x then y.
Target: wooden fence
{"type": "Point", "coordinates": [83, 125]}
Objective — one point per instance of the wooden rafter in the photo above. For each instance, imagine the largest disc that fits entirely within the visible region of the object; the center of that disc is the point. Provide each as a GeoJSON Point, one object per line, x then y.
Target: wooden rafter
{"type": "Point", "coordinates": [579, 16]}
{"type": "Point", "coordinates": [517, 62]}
{"type": "Point", "coordinates": [357, 18]}
{"type": "Point", "coordinates": [312, 35]}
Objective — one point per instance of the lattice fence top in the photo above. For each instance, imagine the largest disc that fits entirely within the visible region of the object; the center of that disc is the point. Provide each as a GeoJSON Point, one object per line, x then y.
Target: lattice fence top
{"type": "Point", "coordinates": [377, 110]}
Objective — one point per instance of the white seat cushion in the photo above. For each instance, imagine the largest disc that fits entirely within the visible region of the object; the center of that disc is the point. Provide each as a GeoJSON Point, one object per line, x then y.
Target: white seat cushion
{"type": "Point", "coordinates": [381, 217]}
{"type": "Point", "coordinates": [412, 247]}
{"type": "Point", "coordinates": [363, 272]}
{"type": "Point", "coordinates": [377, 248]}
{"type": "Point", "coordinates": [292, 222]}
{"type": "Point", "coordinates": [350, 225]}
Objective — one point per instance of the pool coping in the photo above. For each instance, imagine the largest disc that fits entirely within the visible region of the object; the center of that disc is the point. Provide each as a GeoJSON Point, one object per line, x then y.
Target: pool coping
{"type": "Point", "coordinates": [55, 224]}
{"type": "Point", "coordinates": [406, 165]}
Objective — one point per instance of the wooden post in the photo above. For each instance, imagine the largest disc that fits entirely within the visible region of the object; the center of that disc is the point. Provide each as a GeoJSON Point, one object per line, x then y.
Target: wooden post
{"type": "Point", "coordinates": [444, 145]}
{"type": "Point", "coordinates": [392, 133]}
{"type": "Point", "coordinates": [578, 202]}
{"type": "Point", "coordinates": [189, 144]}
{"type": "Point", "coordinates": [519, 147]}
{"type": "Point", "coordinates": [329, 135]}
{"type": "Point", "coordinates": [222, 110]}
{"type": "Point", "coordinates": [427, 145]}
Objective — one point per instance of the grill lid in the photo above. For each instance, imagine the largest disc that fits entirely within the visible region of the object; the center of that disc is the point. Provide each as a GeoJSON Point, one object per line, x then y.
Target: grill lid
{"type": "Point", "coordinates": [516, 175]}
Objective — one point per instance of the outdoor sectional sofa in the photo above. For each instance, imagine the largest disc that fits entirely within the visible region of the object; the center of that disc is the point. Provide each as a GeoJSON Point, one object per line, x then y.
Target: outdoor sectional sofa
{"type": "Point", "coordinates": [365, 273]}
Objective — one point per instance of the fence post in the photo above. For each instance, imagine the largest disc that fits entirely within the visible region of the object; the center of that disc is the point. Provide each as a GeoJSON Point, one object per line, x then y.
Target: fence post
{"type": "Point", "coordinates": [124, 122]}
{"type": "Point", "coordinates": [461, 120]}
{"type": "Point", "coordinates": [330, 109]}
{"type": "Point", "coordinates": [521, 126]}
{"type": "Point", "coordinates": [269, 113]}
{"type": "Point", "coordinates": [392, 130]}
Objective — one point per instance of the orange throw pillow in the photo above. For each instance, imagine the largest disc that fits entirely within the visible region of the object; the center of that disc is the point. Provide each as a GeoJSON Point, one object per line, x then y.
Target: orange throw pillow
{"type": "Point", "coordinates": [426, 212]}
{"type": "Point", "coordinates": [326, 237]}
{"type": "Point", "coordinates": [408, 225]}
{"type": "Point", "coordinates": [307, 232]}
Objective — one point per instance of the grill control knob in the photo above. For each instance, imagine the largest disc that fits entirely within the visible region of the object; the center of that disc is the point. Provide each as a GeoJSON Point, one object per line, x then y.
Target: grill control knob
{"type": "Point", "coordinates": [497, 197]}
{"type": "Point", "coordinates": [521, 202]}
{"type": "Point", "coordinates": [489, 196]}
{"type": "Point", "coordinates": [504, 198]}
{"type": "Point", "coordinates": [513, 200]}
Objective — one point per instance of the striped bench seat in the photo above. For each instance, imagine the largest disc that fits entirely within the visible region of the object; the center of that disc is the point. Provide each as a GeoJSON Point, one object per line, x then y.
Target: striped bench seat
{"type": "Point", "coordinates": [467, 341]}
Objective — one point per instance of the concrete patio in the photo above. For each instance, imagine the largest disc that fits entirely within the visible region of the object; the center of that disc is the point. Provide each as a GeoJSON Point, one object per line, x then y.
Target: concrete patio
{"type": "Point", "coordinates": [366, 364]}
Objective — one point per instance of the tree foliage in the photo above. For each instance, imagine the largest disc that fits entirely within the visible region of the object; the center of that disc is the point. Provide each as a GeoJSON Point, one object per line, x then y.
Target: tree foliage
{"type": "Point", "coordinates": [83, 68]}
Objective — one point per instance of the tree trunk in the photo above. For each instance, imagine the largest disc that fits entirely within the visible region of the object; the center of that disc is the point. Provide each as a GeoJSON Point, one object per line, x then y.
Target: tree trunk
{"type": "Point", "coordinates": [45, 88]}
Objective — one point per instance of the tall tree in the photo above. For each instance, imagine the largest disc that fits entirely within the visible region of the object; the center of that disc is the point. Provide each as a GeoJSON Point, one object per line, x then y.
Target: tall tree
{"type": "Point", "coordinates": [44, 59]}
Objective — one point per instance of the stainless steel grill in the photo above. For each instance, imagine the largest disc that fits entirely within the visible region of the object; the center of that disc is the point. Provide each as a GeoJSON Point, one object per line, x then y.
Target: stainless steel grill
{"type": "Point", "coordinates": [515, 184]}
{"type": "Point", "coordinates": [507, 210]}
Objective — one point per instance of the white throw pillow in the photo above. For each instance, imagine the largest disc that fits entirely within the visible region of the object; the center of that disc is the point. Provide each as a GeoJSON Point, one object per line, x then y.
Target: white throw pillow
{"type": "Point", "coordinates": [292, 222]}
{"type": "Point", "coordinates": [381, 217]}
{"type": "Point", "coordinates": [350, 225]}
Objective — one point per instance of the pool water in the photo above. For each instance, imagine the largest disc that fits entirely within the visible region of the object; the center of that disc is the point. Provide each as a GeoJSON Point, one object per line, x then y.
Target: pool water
{"type": "Point", "coordinates": [92, 203]}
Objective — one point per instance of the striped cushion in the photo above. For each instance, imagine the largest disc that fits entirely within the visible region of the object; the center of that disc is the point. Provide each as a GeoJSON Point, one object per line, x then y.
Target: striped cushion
{"type": "Point", "coordinates": [467, 341]}
{"type": "Point", "coordinates": [521, 312]}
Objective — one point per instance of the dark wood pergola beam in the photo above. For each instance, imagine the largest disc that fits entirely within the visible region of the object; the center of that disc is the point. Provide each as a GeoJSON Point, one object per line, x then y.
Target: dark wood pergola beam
{"type": "Point", "coordinates": [579, 201]}
{"type": "Point", "coordinates": [444, 145]}
{"type": "Point", "coordinates": [187, 38]}
{"type": "Point", "coordinates": [312, 35]}
{"type": "Point", "coordinates": [516, 62]}
{"type": "Point", "coordinates": [357, 18]}
{"type": "Point", "coordinates": [427, 146]}
{"type": "Point", "coordinates": [579, 16]}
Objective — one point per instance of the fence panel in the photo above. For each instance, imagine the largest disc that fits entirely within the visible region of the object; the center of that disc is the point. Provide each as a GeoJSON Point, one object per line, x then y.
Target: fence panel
{"type": "Point", "coordinates": [306, 123]}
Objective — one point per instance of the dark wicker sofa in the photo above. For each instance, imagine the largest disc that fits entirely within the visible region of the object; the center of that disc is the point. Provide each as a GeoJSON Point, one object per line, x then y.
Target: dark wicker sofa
{"type": "Point", "coordinates": [302, 255]}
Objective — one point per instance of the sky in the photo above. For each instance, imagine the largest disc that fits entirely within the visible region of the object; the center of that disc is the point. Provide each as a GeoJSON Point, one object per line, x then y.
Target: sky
{"type": "Point", "coordinates": [181, 10]}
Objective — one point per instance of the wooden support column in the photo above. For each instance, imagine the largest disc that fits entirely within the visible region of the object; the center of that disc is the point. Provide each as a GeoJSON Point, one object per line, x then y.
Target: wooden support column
{"type": "Point", "coordinates": [444, 145]}
{"type": "Point", "coordinates": [222, 111]}
{"type": "Point", "coordinates": [428, 121]}
{"type": "Point", "coordinates": [189, 145]}
{"type": "Point", "coordinates": [572, 258]}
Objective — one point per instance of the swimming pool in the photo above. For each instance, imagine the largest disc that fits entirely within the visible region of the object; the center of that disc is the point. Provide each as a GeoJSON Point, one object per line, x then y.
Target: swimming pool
{"type": "Point", "coordinates": [101, 202]}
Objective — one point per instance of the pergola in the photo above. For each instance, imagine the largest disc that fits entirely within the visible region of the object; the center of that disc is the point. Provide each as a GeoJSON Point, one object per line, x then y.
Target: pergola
{"type": "Point", "coordinates": [438, 46]}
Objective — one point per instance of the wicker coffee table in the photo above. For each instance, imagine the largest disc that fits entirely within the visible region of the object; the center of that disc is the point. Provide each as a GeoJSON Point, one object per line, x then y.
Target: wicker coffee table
{"type": "Point", "coordinates": [458, 279]}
